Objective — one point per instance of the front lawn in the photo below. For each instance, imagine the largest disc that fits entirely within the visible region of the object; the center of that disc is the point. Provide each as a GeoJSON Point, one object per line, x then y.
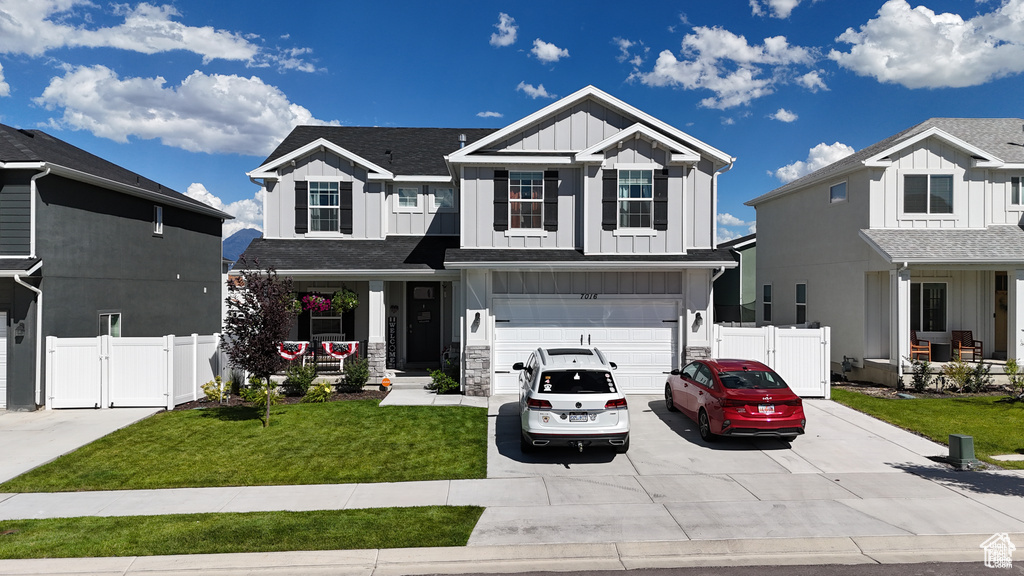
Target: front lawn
{"type": "Point", "coordinates": [92, 536]}
{"type": "Point", "coordinates": [329, 443]}
{"type": "Point", "coordinates": [995, 422]}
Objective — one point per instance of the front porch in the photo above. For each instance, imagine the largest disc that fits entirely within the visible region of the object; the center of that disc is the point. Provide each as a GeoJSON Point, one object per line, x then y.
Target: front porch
{"type": "Point", "coordinates": [882, 371]}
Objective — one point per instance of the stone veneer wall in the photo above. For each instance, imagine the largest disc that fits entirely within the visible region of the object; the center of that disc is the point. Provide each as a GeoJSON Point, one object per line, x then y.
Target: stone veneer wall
{"type": "Point", "coordinates": [477, 374]}
{"type": "Point", "coordinates": [376, 359]}
{"type": "Point", "coordinates": [697, 353]}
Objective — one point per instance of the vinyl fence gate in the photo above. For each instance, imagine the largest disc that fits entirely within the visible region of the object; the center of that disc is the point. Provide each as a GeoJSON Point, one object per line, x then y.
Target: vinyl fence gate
{"type": "Point", "coordinates": [802, 356]}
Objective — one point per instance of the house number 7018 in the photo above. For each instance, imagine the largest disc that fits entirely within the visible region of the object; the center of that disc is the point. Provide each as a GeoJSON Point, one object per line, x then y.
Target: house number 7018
{"type": "Point", "coordinates": [588, 296]}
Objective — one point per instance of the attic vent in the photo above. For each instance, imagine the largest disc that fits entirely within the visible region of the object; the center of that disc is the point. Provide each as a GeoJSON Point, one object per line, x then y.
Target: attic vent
{"type": "Point", "coordinates": [462, 140]}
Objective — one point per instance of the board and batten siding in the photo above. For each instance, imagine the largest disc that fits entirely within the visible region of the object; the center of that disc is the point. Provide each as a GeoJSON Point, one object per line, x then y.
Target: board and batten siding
{"type": "Point", "coordinates": [1003, 210]}
{"type": "Point", "coordinates": [367, 199]}
{"type": "Point", "coordinates": [424, 219]}
{"type": "Point", "coordinates": [578, 128]}
{"type": "Point", "coordinates": [574, 283]}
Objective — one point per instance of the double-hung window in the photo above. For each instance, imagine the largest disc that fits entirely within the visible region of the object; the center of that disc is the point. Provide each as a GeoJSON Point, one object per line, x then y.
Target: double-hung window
{"type": "Point", "coordinates": [158, 219]}
{"type": "Point", "coordinates": [928, 194]}
{"type": "Point", "coordinates": [444, 199]}
{"type": "Point", "coordinates": [525, 199]}
{"type": "Point", "coordinates": [766, 302]}
{"type": "Point", "coordinates": [1015, 192]}
{"type": "Point", "coordinates": [801, 303]}
{"type": "Point", "coordinates": [928, 306]}
{"type": "Point", "coordinates": [408, 198]}
{"type": "Point", "coordinates": [324, 206]}
{"type": "Point", "coordinates": [636, 198]}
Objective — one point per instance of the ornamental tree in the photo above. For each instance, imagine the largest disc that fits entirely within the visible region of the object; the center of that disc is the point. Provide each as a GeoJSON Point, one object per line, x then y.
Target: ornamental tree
{"type": "Point", "coordinates": [259, 317]}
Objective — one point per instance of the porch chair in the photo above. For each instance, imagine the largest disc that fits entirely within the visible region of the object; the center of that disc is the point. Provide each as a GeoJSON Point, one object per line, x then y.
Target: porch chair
{"type": "Point", "coordinates": [964, 341]}
{"type": "Point", "coordinates": [920, 347]}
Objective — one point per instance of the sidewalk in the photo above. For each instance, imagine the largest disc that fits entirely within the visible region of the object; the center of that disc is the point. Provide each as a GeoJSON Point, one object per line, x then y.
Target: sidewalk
{"type": "Point", "coordinates": [852, 490]}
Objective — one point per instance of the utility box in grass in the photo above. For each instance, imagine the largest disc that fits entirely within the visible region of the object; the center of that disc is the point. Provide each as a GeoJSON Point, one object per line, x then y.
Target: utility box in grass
{"type": "Point", "coordinates": [961, 451]}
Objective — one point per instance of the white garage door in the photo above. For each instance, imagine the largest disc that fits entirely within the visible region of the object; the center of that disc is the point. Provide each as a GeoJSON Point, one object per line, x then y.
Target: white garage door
{"type": "Point", "coordinates": [639, 336]}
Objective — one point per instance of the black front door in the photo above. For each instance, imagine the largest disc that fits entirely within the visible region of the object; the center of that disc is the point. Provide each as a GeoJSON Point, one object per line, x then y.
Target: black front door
{"type": "Point", "coordinates": [423, 318]}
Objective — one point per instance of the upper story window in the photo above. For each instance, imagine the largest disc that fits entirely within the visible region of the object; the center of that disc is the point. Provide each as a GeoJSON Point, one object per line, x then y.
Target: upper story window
{"type": "Point", "coordinates": [801, 303]}
{"type": "Point", "coordinates": [408, 198]}
{"type": "Point", "coordinates": [525, 199]}
{"type": "Point", "coordinates": [110, 324]}
{"type": "Point", "coordinates": [928, 194]}
{"type": "Point", "coordinates": [158, 220]}
{"type": "Point", "coordinates": [1015, 198]}
{"type": "Point", "coordinates": [837, 193]}
{"type": "Point", "coordinates": [766, 302]}
{"type": "Point", "coordinates": [444, 199]}
{"type": "Point", "coordinates": [636, 198]}
{"type": "Point", "coordinates": [324, 206]}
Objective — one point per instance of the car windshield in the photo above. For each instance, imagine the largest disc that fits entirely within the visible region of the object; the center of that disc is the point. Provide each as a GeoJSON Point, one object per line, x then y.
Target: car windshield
{"type": "Point", "coordinates": [576, 382]}
{"type": "Point", "coordinates": [752, 379]}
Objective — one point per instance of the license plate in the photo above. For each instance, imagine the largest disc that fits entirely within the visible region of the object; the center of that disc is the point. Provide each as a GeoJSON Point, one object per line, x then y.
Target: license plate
{"type": "Point", "coordinates": [577, 417]}
{"type": "Point", "coordinates": [766, 408]}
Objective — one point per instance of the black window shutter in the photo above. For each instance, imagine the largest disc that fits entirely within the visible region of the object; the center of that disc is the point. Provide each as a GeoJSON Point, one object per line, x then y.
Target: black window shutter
{"type": "Point", "coordinates": [501, 200]}
{"type": "Point", "coordinates": [551, 200]}
{"type": "Point", "coordinates": [301, 207]}
{"type": "Point", "coordinates": [661, 199]}
{"type": "Point", "coordinates": [610, 200]}
{"type": "Point", "coordinates": [345, 214]}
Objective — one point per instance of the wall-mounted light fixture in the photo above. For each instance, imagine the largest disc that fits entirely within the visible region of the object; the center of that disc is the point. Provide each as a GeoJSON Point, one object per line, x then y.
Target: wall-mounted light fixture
{"type": "Point", "coordinates": [476, 322]}
{"type": "Point", "coordinates": [698, 321]}
{"type": "Point", "coordinates": [19, 330]}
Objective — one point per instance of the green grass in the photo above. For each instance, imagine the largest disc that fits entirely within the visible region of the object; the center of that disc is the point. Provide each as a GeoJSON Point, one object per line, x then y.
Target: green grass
{"type": "Point", "coordinates": [330, 443]}
{"type": "Point", "coordinates": [250, 532]}
{"type": "Point", "coordinates": [996, 423]}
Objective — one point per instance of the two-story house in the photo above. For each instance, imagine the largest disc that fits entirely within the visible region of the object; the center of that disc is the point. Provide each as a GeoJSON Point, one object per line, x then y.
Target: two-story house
{"type": "Point", "coordinates": [919, 234]}
{"type": "Point", "coordinates": [588, 222]}
{"type": "Point", "coordinates": [88, 248]}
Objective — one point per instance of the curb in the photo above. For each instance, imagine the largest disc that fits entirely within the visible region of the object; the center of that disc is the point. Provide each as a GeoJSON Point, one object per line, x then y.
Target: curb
{"type": "Point", "coordinates": [907, 549]}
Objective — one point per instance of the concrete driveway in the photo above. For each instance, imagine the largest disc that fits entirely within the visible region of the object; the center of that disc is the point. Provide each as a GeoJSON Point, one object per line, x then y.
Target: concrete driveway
{"type": "Point", "coordinates": [849, 476]}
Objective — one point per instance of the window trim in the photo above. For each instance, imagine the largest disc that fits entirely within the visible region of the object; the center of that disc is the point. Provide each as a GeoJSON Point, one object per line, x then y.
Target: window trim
{"type": "Point", "coordinates": [800, 306]}
{"type": "Point", "coordinates": [397, 203]}
{"type": "Point", "coordinates": [846, 193]}
{"type": "Point", "coordinates": [537, 230]}
{"type": "Point", "coordinates": [1019, 204]}
{"type": "Point", "coordinates": [766, 303]}
{"type": "Point", "coordinates": [902, 183]}
{"type": "Point", "coordinates": [109, 314]}
{"type": "Point", "coordinates": [432, 204]}
{"type": "Point", "coordinates": [310, 207]}
{"type": "Point", "coordinates": [158, 220]}
{"type": "Point", "coordinates": [621, 230]}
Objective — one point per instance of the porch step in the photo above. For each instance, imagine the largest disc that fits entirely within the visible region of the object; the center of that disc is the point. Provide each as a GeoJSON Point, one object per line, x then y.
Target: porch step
{"type": "Point", "coordinates": [409, 382]}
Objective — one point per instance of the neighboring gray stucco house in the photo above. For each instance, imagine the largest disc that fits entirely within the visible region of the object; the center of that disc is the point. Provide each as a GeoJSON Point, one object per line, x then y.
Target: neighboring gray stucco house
{"type": "Point", "coordinates": [89, 248]}
{"type": "Point", "coordinates": [921, 231]}
{"type": "Point", "coordinates": [587, 222]}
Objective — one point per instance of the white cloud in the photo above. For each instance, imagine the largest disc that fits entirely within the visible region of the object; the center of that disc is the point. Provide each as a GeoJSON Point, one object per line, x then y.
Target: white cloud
{"type": "Point", "coordinates": [812, 81]}
{"type": "Point", "coordinates": [777, 8]}
{"type": "Point", "coordinates": [784, 115]}
{"type": "Point", "coordinates": [728, 121]}
{"type": "Point", "coordinates": [489, 114]}
{"type": "Point", "coordinates": [206, 113]}
{"type": "Point", "coordinates": [506, 34]}
{"type": "Point", "coordinates": [625, 51]}
{"type": "Point", "coordinates": [248, 213]}
{"type": "Point", "coordinates": [624, 46]}
{"type": "Point", "coordinates": [818, 157]}
{"type": "Point", "coordinates": [36, 27]}
{"type": "Point", "coordinates": [706, 54]}
{"type": "Point", "coordinates": [5, 88]}
{"type": "Point", "coordinates": [547, 52]}
{"type": "Point", "coordinates": [538, 92]}
{"type": "Point", "coordinates": [918, 48]}
{"type": "Point", "coordinates": [726, 219]}
{"type": "Point", "coordinates": [723, 235]}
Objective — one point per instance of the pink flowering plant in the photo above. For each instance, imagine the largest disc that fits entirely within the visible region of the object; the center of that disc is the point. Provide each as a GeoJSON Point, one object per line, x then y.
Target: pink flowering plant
{"type": "Point", "coordinates": [316, 303]}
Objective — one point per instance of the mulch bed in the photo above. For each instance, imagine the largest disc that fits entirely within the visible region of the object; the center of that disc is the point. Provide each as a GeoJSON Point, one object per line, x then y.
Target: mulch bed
{"type": "Point", "coordinates": [236, 401]}
{"type": "Point", "coordinates": [878, 391]}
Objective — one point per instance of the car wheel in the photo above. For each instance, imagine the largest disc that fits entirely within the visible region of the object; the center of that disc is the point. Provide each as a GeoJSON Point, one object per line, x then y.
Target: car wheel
{"type": "Point", "coordinates": [624, 448]}
{"type": "Point", "coordinates": [525, 446]}
{"type": "Point", "coordinates": [704, 425]}
{"type": "Point", "coordinates": [668, 399]}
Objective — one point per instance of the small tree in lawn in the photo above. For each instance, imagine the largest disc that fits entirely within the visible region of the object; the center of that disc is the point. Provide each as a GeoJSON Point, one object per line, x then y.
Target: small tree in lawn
{"type": "Point", "coordinates": [259, 318]}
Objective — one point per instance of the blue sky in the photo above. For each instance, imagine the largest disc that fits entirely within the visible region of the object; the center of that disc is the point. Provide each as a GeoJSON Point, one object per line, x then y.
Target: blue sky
{"type": "Point", "coordinates": [194, 94]}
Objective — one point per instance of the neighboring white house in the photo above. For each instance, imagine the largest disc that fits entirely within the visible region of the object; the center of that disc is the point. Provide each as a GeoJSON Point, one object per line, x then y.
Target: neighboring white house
{"type": "Point", "coordinates": [588, 222]}
{"type": "Point", "coordinates": [919, 232]}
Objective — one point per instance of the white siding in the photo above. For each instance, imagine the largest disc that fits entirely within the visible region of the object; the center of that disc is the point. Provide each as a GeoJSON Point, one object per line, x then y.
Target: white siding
{"type": "Point", "coordinates": [424, 219]}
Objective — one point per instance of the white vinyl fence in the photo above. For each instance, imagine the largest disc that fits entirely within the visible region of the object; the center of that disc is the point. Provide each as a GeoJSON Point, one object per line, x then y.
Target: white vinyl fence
{"type": "Point", "coordinates": [800, 355]}
{"type": "Point", "coordinates": [106, 372]}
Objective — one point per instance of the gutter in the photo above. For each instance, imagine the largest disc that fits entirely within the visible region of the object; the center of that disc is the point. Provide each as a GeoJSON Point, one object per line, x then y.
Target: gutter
{"type": "Point", "coordinates": [39, 334]}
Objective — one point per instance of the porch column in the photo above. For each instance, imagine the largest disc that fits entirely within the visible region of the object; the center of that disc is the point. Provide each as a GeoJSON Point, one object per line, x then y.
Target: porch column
{"type": "Point", "coordinates": [899, 342]}
{"type": "Point", "coordinates": [376, 347]}
{"type": "Point", "coordinates": [1015, 314]}
{"type": "Point", "coordinates": [476, 358]}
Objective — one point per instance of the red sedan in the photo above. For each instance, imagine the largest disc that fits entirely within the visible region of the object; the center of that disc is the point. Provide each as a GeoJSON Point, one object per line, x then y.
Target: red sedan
{"type": "Point", "coordinates": [735, 398]}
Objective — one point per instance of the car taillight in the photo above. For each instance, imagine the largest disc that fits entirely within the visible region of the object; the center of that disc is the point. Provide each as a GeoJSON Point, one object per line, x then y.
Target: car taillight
{"type": "Point", "coordinates": [730, 403]}
{"type": "Point", "coordinates": [796, 402]}
{"type": "Point", "coordinates": [615, 404]}
{"type": "Point", "coordinates": [535, 404]}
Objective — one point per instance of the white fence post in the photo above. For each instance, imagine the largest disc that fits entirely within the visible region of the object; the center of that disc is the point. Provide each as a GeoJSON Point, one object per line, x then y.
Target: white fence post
{"type": "Point", "coordinates": [169, 374]}
{"type": "Point", "coordinates": [103, 345]}
{"type": "Point", "coordinates": [51, 346]}
{"type": "Point", "coordinates": [195, 366]}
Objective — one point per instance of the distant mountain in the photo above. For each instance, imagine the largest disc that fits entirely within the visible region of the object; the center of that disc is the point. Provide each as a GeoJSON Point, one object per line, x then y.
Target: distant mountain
{"type": "Point", "coordinates": [235, 244]}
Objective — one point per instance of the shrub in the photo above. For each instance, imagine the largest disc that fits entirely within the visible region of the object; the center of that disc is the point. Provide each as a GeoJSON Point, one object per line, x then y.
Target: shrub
{"type": "Point", "coordinates": [442, 383]}
{"type": "Point", "coordinates": [357, 373]}
{"type": "Point", "coordinates": [1016, 378]}
{"type": "Point", "coordinates": [958, 372]}
{"type": "Point", "coordinates": [922, 376]}
{"type": "Point", "coordinates": [216, 391]}
{"type": "Point", "coordinates": [299, 378]}
{"type": "Point", "coordinates": [258, 394]}
{"type": "Point", "coordinates": [319, 392]}
{"type": "Point", "coordinates": [980, 378]}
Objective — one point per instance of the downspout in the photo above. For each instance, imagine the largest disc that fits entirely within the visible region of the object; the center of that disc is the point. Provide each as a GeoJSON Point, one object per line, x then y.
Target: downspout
{"type": "Point", "coordinates": [33, 189]}
{"type": "Point", "coordinates": [714, 202]}
{"type": "Point", "coordinates": [39, 339]}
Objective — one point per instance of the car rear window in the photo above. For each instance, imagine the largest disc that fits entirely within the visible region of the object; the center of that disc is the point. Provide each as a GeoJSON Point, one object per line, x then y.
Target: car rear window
{"type": "Point", "coordinates": [752, 379]}
{"type": "Point", "coordinates": [576, 382]}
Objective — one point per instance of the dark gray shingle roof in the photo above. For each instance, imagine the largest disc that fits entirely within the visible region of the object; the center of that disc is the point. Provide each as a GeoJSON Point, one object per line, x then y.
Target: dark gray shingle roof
{"type": "Point", "coordinates": [944, 245]}
{"type": "Point", "coordinates": [18, 145]}
{"type": "Point", "coordinates": [414, 151]}
{"type": "Point", "coordinates": [397, 253]}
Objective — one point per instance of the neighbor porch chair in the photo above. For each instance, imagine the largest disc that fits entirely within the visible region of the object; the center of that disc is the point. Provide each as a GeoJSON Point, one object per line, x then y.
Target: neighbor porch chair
{"type": "Point", "coordinates": [963, 342]}
{"type": "Point", "coordinates": [920, 347]}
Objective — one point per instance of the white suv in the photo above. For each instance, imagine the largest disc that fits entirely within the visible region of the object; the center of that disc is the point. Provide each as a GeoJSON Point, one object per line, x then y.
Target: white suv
{"type": "Point", "coordinates": [568, 397]}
